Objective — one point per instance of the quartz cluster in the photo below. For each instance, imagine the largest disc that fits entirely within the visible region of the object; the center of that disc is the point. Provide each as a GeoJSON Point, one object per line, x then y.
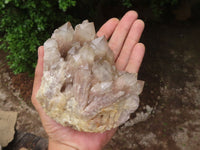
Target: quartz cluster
{"type": "Point", "coordinates": [81, 86]}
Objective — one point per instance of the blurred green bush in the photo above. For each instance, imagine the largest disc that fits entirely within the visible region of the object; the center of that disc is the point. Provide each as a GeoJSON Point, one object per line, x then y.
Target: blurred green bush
{"type": "Point", "coordinates": [160, 7]}
{"type": "Point", "coordinates": [25, 25]}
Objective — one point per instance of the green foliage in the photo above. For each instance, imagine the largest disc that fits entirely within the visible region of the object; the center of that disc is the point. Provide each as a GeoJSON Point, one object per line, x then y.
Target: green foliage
{"type": "Point", "coordinates": [25, 25]}
{"type": "Point", "coordinates": [162, 6]}
{"type": "Point", "coordinates": [64, 4]}
{"type": "Point", "coordinates": [127, 3]}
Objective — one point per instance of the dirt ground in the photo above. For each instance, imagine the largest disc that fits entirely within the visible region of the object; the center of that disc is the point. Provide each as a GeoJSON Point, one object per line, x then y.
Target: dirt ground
{"type": "Point", "coordinates": [12, 99]}
{"type": "Point", "coordinates": [172, 90]}
{"type": "Point", "coordinates": [168, 117]}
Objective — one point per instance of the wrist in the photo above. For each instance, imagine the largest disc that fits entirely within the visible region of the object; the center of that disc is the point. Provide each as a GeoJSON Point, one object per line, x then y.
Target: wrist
{"type": "Point", "coordinates": [54, 145]}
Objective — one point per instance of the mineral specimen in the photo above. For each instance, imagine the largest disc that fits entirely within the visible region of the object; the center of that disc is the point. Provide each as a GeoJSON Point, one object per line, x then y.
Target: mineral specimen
{"type": "Point", "coordinates": [80, 86]}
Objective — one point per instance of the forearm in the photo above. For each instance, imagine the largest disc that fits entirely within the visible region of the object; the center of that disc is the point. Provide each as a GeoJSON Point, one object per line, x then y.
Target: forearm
{"type": "Point", "coordinates": [54, 145]}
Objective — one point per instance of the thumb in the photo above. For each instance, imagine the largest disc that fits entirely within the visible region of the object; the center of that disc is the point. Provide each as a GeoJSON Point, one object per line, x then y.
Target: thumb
{"type": "Point", "coordinates": [38, 77]}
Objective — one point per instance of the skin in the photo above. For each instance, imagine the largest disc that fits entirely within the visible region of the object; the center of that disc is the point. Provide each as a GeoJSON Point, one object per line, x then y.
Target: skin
{"type": "Point", "coordinates": [123, 36]}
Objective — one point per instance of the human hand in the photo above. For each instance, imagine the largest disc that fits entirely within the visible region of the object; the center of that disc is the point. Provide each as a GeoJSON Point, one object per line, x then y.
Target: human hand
{"type": "Point", "coordinates": [124, 36]}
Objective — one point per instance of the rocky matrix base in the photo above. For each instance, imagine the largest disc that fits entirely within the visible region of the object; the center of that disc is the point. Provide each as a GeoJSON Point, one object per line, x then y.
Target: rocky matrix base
{"type": "Point", "coordinates": [81, 87]}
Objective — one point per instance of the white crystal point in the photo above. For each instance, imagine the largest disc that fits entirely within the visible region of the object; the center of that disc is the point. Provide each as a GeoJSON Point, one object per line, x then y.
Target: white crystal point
{"type": "Point", "coordinates": [81, 86]}
{"type": "Point", "coordinates": [64, 36]}
{"type": "Point", "coordinates": [51, 53]}
{"type": "Point", "coordinates": [84, 32]}
{"type": "Point", "coordinates": [100, 46]}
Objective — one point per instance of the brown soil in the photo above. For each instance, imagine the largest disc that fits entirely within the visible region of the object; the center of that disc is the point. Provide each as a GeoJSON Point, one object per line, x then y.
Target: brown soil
{"type": "Point", "coordinates": [21, 82]}
{"type": "Point", "coordinates": [15, 94]}
{"type": "Point", "coordinates": [24, 83]}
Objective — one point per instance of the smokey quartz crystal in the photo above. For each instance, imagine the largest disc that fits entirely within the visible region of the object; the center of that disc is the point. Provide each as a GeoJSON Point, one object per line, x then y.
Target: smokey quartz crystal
{"type": "Point", "coordinates": [81, 86]}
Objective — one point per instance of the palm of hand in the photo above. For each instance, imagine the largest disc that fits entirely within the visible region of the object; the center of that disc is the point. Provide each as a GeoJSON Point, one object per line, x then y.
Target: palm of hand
{"type": "Point", "coordinates": [124, 36]}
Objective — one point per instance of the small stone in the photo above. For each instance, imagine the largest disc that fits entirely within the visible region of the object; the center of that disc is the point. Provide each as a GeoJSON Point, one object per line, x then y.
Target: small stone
{"type": "Point", "coordinates": [23, 148]}
{"type": "Point", "coordinates": [81, 86]}
{"type": "Point", "coordinates": [7, 124]}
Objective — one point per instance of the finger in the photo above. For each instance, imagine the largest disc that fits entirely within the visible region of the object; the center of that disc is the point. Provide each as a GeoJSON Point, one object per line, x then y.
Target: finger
{"type": "Point", "coordinates": [36, 86]}
{"type": "Point", "coordinates": [108, 28]}
{"type": "Point", "coordinates": [136, 58]}
{"type": "Point", "coordinates": [132, 38]}
{"type": "Point", "coordinates": [121, 31]}
{"type": "Point", "coordinates": [38, 75]}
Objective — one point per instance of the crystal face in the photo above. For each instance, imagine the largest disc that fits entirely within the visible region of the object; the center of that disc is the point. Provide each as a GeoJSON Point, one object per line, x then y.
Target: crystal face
{"type": "Point", "coordinates": [81, 86]}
